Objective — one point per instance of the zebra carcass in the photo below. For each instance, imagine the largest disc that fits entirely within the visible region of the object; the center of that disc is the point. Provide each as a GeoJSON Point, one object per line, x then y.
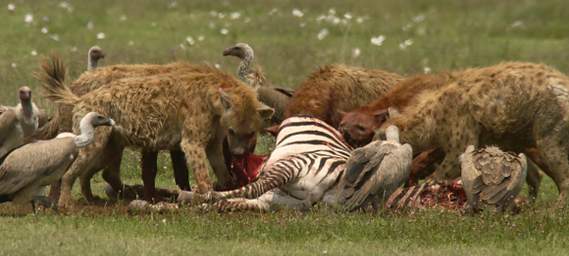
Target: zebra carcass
{"type": "Point", "coordinates": [308, 166]}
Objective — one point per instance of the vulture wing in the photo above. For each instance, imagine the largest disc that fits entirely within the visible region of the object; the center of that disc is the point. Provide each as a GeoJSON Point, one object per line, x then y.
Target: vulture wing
{"type": "Point", "coordinates": [8, 120]}
{"type": "Point", "coordinates": [283, 90]}
{"type": "Point", "coordinates": [501, 175]}
{"type": "Point", "coordinates": [383, 173]}
{"type": "Point", "coordinates": [34, 161]}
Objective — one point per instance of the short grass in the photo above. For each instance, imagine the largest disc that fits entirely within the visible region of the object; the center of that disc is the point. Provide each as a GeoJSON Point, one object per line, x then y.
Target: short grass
{"type": "Point", "coordinates": [419, 36]}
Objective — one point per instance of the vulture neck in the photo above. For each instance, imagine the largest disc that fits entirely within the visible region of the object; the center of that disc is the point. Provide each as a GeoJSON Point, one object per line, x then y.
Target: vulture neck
{"type": "Point", "coordinates": [244, 68]}
{"type": "Point", "coordinates": [27, 108]}
{"type": "Point", "coordinates": [392, 134]}
{"type": "Point", "coordinates": [91, 62]}
{"type": "Point", "coordinates": [87, 133]}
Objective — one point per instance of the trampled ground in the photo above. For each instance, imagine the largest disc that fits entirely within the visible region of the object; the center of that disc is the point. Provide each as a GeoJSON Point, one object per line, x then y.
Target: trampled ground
{"type": "Point", "coordinates": [291, 38]}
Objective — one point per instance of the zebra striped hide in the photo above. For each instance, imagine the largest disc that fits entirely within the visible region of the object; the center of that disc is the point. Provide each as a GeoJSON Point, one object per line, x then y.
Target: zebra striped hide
{"type": "Point", "coordinates": [307, 166]}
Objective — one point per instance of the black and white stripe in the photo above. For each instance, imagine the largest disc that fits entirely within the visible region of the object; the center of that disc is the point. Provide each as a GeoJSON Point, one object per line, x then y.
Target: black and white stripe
{"type": "Point", "coordinates": [305, 168]}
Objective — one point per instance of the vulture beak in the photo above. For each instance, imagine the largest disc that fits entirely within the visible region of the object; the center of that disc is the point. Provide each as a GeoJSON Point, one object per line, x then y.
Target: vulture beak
{"type": "Point", "coordinates": [227, 51]}
{"type": "Point", "coordinates": [112, 122]}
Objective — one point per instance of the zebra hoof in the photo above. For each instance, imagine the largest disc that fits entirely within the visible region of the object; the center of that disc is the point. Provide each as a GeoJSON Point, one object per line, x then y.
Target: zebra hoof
{"type": "Point", "coordinates": [186, 197]}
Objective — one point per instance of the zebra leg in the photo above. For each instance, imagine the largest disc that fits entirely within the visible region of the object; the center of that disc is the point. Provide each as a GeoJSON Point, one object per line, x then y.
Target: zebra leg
{"type": "Point", "coordinates": [271, 200]}
{"type": "Point", "coordinates": [276, 176]}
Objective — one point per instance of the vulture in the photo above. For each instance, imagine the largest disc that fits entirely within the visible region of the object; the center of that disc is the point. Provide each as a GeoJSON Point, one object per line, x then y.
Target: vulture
{"type": "Point", "coordinates": [374, 171]}
{"type": "Point", "coordinates": [491, 176]}
{"type": "Point", "coordinates": [18, 123]}
{"type": "Point", "coordinates": [26, 169]}
{"type": "Point", "coordinates": [93, 57]}
{"type": "Point", "coordinates": [274, 97]}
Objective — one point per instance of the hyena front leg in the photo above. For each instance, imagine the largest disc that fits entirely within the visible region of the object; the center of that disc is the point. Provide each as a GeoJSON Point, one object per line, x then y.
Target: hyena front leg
{"type": "Point", "coordinates": [217, 161]}
{"type": "Point", "coordinates": [197, 159]}
{"type": "Point", "coordinates": [460, 136]}
{"type": "Point", "coordinates": [553, 149]}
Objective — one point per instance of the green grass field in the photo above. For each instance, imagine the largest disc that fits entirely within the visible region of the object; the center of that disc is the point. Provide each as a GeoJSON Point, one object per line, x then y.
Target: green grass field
{"type": "Point", "coordinates": [291, 39]}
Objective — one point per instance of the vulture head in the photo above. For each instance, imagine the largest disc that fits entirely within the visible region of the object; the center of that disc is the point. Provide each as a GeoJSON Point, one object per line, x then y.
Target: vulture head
{"type": "Point", "coordinates": [25, 93]}
{"type": "Point", "coordinates": [96, 53]}
{"type": "Point", "coordinates": [240, 50]}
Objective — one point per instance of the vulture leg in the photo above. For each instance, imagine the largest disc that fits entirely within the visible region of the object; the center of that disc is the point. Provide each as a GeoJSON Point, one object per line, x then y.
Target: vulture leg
{"type": "Point", "coordinates": [180, 170]}
{"type": "Point", "coordinates": [54, 191]}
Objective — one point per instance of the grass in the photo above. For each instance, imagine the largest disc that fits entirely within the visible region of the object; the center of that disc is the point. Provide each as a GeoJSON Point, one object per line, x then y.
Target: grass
{"type": "Point", "coordinates": [444, 34]}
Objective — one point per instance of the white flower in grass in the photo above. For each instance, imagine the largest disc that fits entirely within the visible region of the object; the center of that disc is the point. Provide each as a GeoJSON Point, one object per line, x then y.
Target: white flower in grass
{"type": "Point", "coordinates": [356, 52]}
{"type": "Point", "coordinates": [213, 13]}
{"type": "Point", "coordinates": [323, 34]}
{"type": "Point", "coordinates": [11, 7]}
{"type": "Point", "coordinates": [54, 37]}
{"type": "Point", "coordinates": [405, 44]}
{"type": "Point", "coordinates": [235, 15]}
{"type": "Point", "coordinates": [183, 46]}
{"type": "Point", "coordinates": [302, 24]}
{"type": "Point", "coordinates": [348, 16]}
{"type": "Point", "coordinates": [217, 66]}
{"type": "Point", "coordinates": [221, 15]}
{"type": "Point", "coordinates": [123, 17]}
{"type": "Point", "coordinates": [201, 38]}
{"type": "Point", "coordinates": [66, 6]}
{"type": "Point", "coordinates": [378, 40]}
{"type": "Point", "coordinates": [332, 11]}
{"type": "Point", "coordinates": [101, 36]}
{"type": "Point", "coordinates": [297, 13]}
{"type": "Point", "coordinates": [29, 18]}
{"type": "Point", "coordinates": [34, 53]}
{"type": "Point", "coordinates": [14, 65]}
{"type": "Point", "coordinates": [90, 25]}
{"type": "Point", "coordinates": [517, 24]}
{"type": "Point", "coordinates": [130, 43]}
{"type": "Point", "coordinates": [336, 20]}
{"type": "Point", "coordinates": [190, 40]}
{"type": "Point", "coordinates": [426, 70]}
{"type": "Point", "coordinates": [74, 49]}
{"type": "Point", "coordinates": [273, 11]}
{"type": "Point", "coordinates": [224, 31]}
{"type": "Point", "coordinates": [173, 4]}
{"type": "Point", "coordinates": [44, 30]}
{"type": "Point", "coordinates": [419, 18]}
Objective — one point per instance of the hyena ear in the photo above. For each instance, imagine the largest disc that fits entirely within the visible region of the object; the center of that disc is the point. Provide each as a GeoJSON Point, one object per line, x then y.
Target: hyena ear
{"type": "Point", "coordinates": [381, 115]}
{"type": "Point", "coordinates": [265, 111]}
{"type": "Point", "coordinates": [225, 100]}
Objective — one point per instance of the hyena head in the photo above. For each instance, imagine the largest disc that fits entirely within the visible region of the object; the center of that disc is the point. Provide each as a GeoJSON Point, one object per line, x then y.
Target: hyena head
{"type": "Point", "coordinates": [243, 116]}
{"type": "Point", "coordinates": [358, 128]}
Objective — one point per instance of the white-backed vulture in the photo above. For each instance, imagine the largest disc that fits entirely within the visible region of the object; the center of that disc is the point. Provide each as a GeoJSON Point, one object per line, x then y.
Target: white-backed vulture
{"type": "Point", "coordinates": [93, 57]}
{"type": "Point", "coordinates": [18, 123]}
{"type": "Point", "coordinates": [491, 176]}
{"type": "Point", "coordinates": [28, 168]}
{"type": "Point", "coordinates": [250, 73]}
{"type": "Point", "coordinates": [373, 172]}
